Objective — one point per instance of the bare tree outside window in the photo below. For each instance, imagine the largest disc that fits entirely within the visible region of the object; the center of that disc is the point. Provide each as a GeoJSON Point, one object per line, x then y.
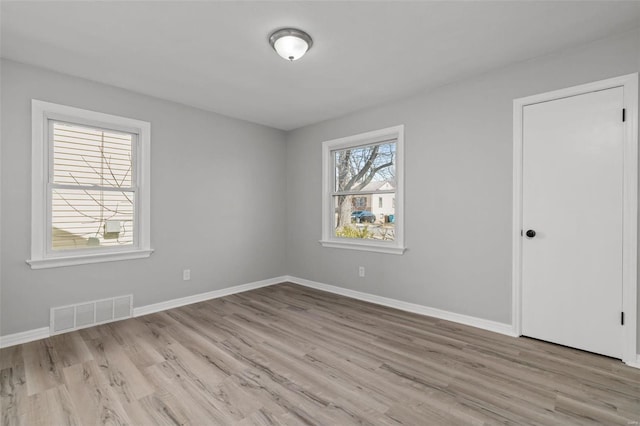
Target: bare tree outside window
{"type": "Point", "coordinates": [362, 172]}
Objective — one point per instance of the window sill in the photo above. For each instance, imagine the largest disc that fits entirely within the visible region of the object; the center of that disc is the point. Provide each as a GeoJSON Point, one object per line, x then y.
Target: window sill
{"type": "Point", "coordinates": [376, 248]}
{"type": "Point", "coordinates": [57, 262]}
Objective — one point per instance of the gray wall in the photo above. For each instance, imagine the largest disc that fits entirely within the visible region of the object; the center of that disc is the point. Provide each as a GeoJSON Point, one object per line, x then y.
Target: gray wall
{"type": "Point", "coordinates": [220, 180]}
{"type": "Point", "coordinates": [217, 201]}
{"type": "Point", "coordinates": [458, 142]}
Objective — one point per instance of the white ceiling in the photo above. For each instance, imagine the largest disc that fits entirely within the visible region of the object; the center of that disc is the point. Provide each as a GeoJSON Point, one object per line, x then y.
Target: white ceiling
{"type": "Point", "coordinates": [215, 55]}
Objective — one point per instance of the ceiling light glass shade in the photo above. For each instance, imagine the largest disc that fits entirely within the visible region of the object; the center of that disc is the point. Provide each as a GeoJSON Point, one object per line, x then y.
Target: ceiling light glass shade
{"type": "Point", "coordinates": [290, 43]}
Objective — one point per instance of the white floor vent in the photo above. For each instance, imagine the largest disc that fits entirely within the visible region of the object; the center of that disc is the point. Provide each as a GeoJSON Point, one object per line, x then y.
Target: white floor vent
{"type": "Point", "coordinates": [86, 314]}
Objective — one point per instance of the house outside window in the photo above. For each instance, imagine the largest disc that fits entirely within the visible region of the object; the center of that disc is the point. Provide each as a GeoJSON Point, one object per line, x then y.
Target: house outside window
{"type": "Point", "coordinates": [90, 187]}
{"type": "Point", "coordinates": [368, 166]}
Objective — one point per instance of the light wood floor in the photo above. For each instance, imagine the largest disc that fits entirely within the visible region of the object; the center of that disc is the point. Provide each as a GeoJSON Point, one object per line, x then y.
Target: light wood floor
{"type": "Point", "coordinates": [291, 355]}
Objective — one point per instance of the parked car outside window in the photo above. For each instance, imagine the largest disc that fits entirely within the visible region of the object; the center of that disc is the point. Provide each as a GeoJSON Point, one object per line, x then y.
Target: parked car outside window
{"type": "Point", "coordinates": [360, 216]}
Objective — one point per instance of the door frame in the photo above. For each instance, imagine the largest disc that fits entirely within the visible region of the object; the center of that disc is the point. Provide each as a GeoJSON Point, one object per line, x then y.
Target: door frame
{"type": "Point", "coordinates": [629, 83]}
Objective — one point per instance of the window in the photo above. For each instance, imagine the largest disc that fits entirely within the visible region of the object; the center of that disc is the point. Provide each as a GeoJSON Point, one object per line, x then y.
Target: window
{"type": "Point", "coordinates": [364, 167]}
{"type": "Point", "coordinates": [90, 187]}
{"type": "Point", "coordinates": [360, 202]}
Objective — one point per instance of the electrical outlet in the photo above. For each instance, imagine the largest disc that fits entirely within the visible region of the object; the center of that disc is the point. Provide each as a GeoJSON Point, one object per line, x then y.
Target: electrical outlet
{"type": "Point", "coordinates": [361, 271]}
{"type": "Point", "coordinates": [186, 275]}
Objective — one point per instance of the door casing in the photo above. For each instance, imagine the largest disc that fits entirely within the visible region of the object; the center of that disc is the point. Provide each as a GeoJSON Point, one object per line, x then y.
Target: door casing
{"type": "Point", "coordinates": [629, 83]}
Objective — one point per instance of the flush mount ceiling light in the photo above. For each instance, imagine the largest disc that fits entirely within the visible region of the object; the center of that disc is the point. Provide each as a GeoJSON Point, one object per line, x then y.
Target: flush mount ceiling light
{"type": "Point", "coordinates": [290, 43]}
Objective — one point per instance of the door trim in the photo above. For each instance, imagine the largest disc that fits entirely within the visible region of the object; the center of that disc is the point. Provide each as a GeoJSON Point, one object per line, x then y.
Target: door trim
{"type": "Point", "coordinates": [629, 83]}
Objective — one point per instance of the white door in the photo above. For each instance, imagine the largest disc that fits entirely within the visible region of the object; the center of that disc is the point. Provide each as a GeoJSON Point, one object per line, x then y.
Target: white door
{"type": "Point", "coordinates": [572, 196]}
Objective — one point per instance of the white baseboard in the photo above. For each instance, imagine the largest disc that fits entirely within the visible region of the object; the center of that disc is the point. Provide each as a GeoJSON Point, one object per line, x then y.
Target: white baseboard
{"type": "Point", "coordinates": [24, 337]}
{"type": "Point", "coordinates": [494, 326]}
{"type": "Point", "coordinates": [175, 303]}
{"type": "Point", "coordinates": [44, 332]}
{"type": "Point", "coordinates": [635, 364]}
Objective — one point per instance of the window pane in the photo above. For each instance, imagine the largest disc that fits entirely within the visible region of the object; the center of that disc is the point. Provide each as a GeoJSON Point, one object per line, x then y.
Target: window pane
{"type": "Point", "coordinates": [365, 168]}
{"type": "Point", "coordinates": [371, 222]}
{"type": "Point", "coordinates": [90, 156]}
{"type": "Point", "coordinates": [88, 219]}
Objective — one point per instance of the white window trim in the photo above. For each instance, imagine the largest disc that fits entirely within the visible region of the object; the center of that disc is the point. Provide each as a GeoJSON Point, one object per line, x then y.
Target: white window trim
{"type": "Point", "coordinates": [368, 138]}
{"type": "Point", "coordinates": [41, 257]}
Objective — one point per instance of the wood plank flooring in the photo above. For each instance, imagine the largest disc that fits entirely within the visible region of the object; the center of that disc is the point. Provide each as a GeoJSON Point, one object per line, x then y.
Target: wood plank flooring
{"type": "Point", "coordinates": [289, 355]}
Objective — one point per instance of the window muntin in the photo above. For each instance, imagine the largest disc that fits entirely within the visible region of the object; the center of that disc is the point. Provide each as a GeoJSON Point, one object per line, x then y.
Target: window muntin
{"type": "Point", "coordinates": [91, 187]}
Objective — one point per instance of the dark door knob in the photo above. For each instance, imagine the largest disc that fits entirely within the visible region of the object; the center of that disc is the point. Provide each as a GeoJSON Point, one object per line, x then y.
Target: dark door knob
{"type": "Point", "coordinates": [531, 233]}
